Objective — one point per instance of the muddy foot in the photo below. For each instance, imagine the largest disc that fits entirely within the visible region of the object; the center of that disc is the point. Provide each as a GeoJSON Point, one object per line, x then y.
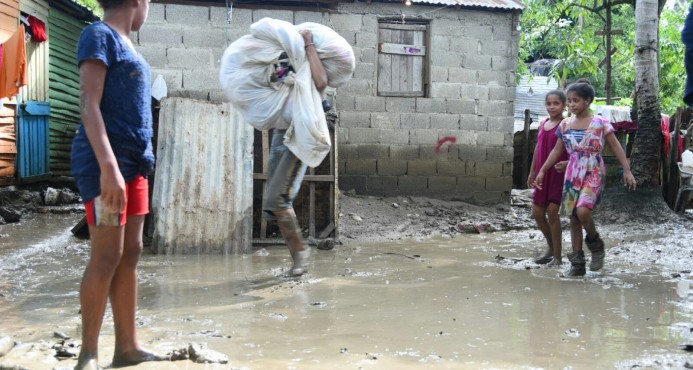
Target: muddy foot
{"type": "Point", "coordinates": [87, 364]}
{"type": "Point", "coordinates": [136, 357]}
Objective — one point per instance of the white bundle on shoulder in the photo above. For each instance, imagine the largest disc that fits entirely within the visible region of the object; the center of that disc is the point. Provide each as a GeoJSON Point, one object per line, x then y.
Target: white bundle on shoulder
{"type": "Point", "coordinates": [248, 78]}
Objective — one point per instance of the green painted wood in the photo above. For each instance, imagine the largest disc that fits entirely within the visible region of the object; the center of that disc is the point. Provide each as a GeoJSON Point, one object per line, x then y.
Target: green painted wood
{"type": "Point", "coordinates": [63, 75]}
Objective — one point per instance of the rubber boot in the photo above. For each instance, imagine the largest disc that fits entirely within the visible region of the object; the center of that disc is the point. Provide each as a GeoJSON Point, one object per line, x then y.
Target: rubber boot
{"type": "Point", "coordinates": [577, 264]}
{"type": "Point", "coordinates": [596, 246]}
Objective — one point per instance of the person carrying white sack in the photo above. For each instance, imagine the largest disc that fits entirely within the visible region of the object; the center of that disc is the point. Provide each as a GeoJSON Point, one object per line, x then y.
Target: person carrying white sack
{"type": "Point", "coordinates": [276, 78]}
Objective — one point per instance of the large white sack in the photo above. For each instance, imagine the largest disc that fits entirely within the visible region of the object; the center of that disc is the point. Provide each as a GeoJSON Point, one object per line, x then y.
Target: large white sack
{"type": "Point", "coordinates": [248, 64]}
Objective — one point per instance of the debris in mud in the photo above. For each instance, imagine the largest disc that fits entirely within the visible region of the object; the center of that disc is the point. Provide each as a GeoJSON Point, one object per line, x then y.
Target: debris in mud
{"type": "Point", "coordinates": [200, 354]}
{"type": "Point", "coordinates": [687, 347]}
{"type": "Point", "coordinates": [6, 345]}
{"type": "Point", "coordinates": [372, 356]}
{"type": "Point", "coordinates": [573, 333]}
{"type": "Point", "coordinates": [343, 350]}
{"type": "Point", "coordinates": [356, 217]}
{"type": "Point", "coordinates": [65, 350]}
{"type": "Point", "coordinates": [11, 214]}
{"type": "Point", "coordinates": [60, 335]}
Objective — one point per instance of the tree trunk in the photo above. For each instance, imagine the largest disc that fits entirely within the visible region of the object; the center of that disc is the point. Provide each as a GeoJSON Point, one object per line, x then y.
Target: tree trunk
{"type": "Point", "coordinates": [646, 149]}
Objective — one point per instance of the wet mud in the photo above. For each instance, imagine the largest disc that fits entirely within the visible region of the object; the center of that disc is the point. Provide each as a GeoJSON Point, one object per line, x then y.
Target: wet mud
{"type": "Point", "coordinates": [443, 302]}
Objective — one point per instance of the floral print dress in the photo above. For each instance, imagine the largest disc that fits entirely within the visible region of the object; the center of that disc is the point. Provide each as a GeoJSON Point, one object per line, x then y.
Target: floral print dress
{"type": "Point", "coordinates": [585, 174]}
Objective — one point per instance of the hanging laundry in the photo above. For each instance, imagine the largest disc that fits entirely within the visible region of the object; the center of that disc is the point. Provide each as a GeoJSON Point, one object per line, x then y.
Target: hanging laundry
{"type": "Point", "coordinates": [14, 71]}
{"type": "Point", "coordinates": [38, 29]}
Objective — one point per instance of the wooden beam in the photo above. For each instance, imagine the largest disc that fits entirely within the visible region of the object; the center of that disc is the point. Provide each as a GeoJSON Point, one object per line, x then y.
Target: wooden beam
{"type": "Point", "coordinates": [401, 49]}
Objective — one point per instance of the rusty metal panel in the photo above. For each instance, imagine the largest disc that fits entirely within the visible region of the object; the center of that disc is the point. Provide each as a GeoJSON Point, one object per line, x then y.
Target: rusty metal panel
{"type": "Point", "coordinates": [203, 187]}
{"type": "Point", "coordinates": [495, 4]}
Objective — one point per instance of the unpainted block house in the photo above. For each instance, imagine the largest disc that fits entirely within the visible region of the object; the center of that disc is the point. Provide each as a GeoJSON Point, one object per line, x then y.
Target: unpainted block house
{"type": "Point", "coordinates": [429, 110]}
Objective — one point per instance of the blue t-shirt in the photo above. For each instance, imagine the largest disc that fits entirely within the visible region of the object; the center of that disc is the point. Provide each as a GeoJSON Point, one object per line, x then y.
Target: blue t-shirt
{"type": "Point", "coordinates": [125, 107]}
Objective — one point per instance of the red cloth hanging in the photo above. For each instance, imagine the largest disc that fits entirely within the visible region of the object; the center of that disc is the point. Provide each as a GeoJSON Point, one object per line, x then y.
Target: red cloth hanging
{"type": "Point", "coordinates": [38, 29]}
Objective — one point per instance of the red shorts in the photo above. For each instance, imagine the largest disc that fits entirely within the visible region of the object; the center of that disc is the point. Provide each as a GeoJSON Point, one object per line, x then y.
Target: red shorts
{"type": "Point", "coordinates": [136, 201]}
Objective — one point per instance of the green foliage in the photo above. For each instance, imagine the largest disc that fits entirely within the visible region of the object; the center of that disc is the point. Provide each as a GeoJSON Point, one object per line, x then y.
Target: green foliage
{"type": "Point", "coordinates": [566, 30]}
{"type": "Point", "coordinates": [93, 5]}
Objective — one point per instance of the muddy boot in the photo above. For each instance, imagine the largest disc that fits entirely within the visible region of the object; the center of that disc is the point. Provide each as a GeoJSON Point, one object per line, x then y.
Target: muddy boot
{"type": "Point", "coordinates": [577, 264]}
{"type": "Point", "coordinates": [299, 266]}
{"type": "Point", "coordinates": [596, 246]}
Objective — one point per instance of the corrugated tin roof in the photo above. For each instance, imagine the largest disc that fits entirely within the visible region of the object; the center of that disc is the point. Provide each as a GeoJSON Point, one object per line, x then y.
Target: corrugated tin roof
{"type": "Point", "coordinates": [496, 4]}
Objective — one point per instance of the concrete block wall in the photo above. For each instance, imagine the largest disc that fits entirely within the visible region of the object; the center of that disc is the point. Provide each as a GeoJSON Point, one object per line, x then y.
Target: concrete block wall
{"type": "Point", "coordinates": [387, 144]}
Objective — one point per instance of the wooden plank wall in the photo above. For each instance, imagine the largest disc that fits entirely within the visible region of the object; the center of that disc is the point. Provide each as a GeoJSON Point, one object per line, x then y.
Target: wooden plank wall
{"type": "Point", "coordinates": [9, 18]}
{"type": "Point", "coordinates": [64, 88]}
{"type": "Point", "coordinates": [37, 55]}
{"type": "Point", "coordinates": [8, 144]}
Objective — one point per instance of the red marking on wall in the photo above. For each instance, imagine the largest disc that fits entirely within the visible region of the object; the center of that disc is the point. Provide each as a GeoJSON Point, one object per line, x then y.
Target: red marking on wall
{"type": "Point", "coordinates": [446, 140]}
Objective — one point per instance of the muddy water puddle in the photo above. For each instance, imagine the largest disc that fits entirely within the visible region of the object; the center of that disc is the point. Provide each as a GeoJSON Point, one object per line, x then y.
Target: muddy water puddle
{"type": "Point", "coordinates": [442, 303]}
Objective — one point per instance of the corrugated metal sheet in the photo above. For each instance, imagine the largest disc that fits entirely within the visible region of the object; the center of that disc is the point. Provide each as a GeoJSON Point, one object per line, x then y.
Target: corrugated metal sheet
{"type": "Point", "coordinates": [8, 144]}
{"type": "Point", "coordinates": [37, 55]}
{"type": "Point", "coordinates": [203, 188]}
{"type": "Point", "coordinates": [531, 95]}
{"type": "Point", "coordinates": [32, 138]}
{"type": "Point", "coordinates": [496, 4]}
{"type": "Point", "coordinates": [64, 88]}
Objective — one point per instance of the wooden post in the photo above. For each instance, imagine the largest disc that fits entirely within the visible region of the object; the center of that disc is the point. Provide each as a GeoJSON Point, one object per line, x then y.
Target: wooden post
{"type": "Point", "coordinates": [673, 188]}
{"type": "Point", "coordinates": [265, 171]}
{"type": "Point", "coordinates": [525, 149]}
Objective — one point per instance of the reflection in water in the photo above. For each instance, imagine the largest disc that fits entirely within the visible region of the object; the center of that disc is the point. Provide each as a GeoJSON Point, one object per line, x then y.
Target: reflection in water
{"type": "Point", "coordinates": [397, 305]}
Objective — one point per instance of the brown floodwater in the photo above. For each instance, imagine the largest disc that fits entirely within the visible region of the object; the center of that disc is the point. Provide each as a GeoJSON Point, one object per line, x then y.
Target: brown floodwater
{"type": "Point", "coordinates": [439, 304]}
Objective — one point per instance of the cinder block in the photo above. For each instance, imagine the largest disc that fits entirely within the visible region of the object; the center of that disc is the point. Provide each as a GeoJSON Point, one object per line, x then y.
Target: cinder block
{"type": "Point", "coordinates": [356, 183]}
{"type": "Point", "coordinates": [154, 55]}
{"type": "Point", "coordinates": [357, 87]}
{"type": "Point", "coordinates": [404, 152]}
{"type": "Point", "coordinates": [211, 38]}
{"type": "Point", "coordinates": [469, 184]}
{"type": "Point", "coordinates": [452, 168]}
{"type": "Point", "coordinates": [428, 105]}
{"type": "Point", "coordinates": [484, 168]}
{"type": "Point", "coordinates": [368, 103]}
{"type": "Point", "coordinates": [365, 71]}
{"type": "Point", "coordinates": [373, 151]}
{"type": "Point", "coordinates": [284, 15]}
{"type": "Point", "coordinates": [241, 19]}
{"type": "Point", "coordinates": [446, 27]}
{"type": "Point", "coordinates": [369, 55]}
{"type": "Point", "coordinates": [217, 96]}
{"type": "Point", "coordinates": [502, 154]}
{"type": "Point", "coordinates": [164, 35]}
{"type": "Point", "coordinates": [189, 15]}
{"type": "Point", "coordinates": [366, 39]}
{"type": "Point", "coordinates": [501, 183]}
{"type": "Point", "coordinates": [463, 137]}
{"type": "Point", "coordinates": [342, 135]}
{"type": "Point", "coordinates": [341, 166]}
{"type": "Point", "coordinates": [344, 102]}
{"type": "Point", "coordinates": [473, 122]}
{"type": "Point", "coordinates": [370, 23]}
{"type": "Point", "coordinates": [421, 168]}
{"type": "Point", "coordinates": [363, 136]}
{"type": "Point", "coordinates": [387, 167]}
{"type": "Point", "coordinates": [508, 169]}
{"type": "Point", "coordinates": [493, 78]}
{"type": "Point", "coordinates": [201, 79]}
{"type": "Point", "coordinates": [381, 185]}
{"type": "Point", "coordinates": [462, 75]}
{"type": "Point", "coordinates": [190, 94]}
{"type": "Point", "coordinates": [447, 59]}
{"type": "Point", "coordinates": [193, 58]}
{"type": "Point", "coordinates": [466, 107]}
{"type": "Point", "coordinates": [502, 29]}
{"type": "Point", "coordinates": [501, 124]}
{"type": "Point", "coordinates": [484, 138]}
{"type": "Point", "coordinates": [348, 151]}
{"type": "Point", "coordinates": [509, 139]}
{"type": "Point", "coordinates": [500, 63]}
{"type": "Point", "coordinates": [173, 77]}
{"type": "Point", "coordinates": [445, 121]}
{"type": "Point", "coordinates": [349, 36]}
{"type": "Point", "coordinates": [510, 78]}
{"type": "Point", "coordinates": [429, 137]}
{"type": "Point", "coordinates": [501, 93]}
{"type": "Point", "coordinates": [471, 153]}
{"type": "Point", "coordinates": [446, 152]}
{"type": "Point", "coordinates": [496, 108]}
{"type": "Point", "coordinates": [478, 62]}
{"type": "Point", "coordinates": [442, 185]}
{"type": "Point", "coordinates": [474, 92]}
{"type": "Point", "coordinates": [466, 45]}
{"type": "Point", "coordinates": [157, 13]}
{"type": "Point", "coordinates": [439, 74]}
{"type": "Point", "coordinates": [415, 120]}
{"type": "Point", "coordinates": [400, 105]}
{"type": "Point", "coordinates": [384, 120]}
{"type": "Point", "coordinates": [395, 136]}
{"type": "Point", "coordinates": [440, 43]}
{"type": "Point", "coordinates": [314, 17]}
{"type": "Point", "coordinates": [354, 119]}
{"type": "Point", "coordinates": [412, 185]}
{"type": "Point", "coordinates": [360, 167]}
{"type": "Point", "coordinates": [350, 22]}
{"type": "Point", "coordinates": [496, 48]}
{"type": "Point", "coordinates": [476, 31]}
{"type": "Point", "coordinates": [445, 90]}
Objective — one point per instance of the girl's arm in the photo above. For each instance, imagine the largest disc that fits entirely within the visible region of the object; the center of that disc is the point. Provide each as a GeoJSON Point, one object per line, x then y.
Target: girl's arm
{"type": "Point", "coordinates": [628, 178]}
{"type": "Point", "coordinates": [92, 75]}
{"type": "Point", "coordinates": [533, 168]}
{"type": "Point", "coordinates": [556, 152]}
{"type": "Point", "coordinates": [317, 70]}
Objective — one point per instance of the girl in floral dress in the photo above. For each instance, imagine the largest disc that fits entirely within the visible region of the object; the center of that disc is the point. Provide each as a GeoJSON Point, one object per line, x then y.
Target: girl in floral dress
{"type": "Point", "coordinates": [583, 136]}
